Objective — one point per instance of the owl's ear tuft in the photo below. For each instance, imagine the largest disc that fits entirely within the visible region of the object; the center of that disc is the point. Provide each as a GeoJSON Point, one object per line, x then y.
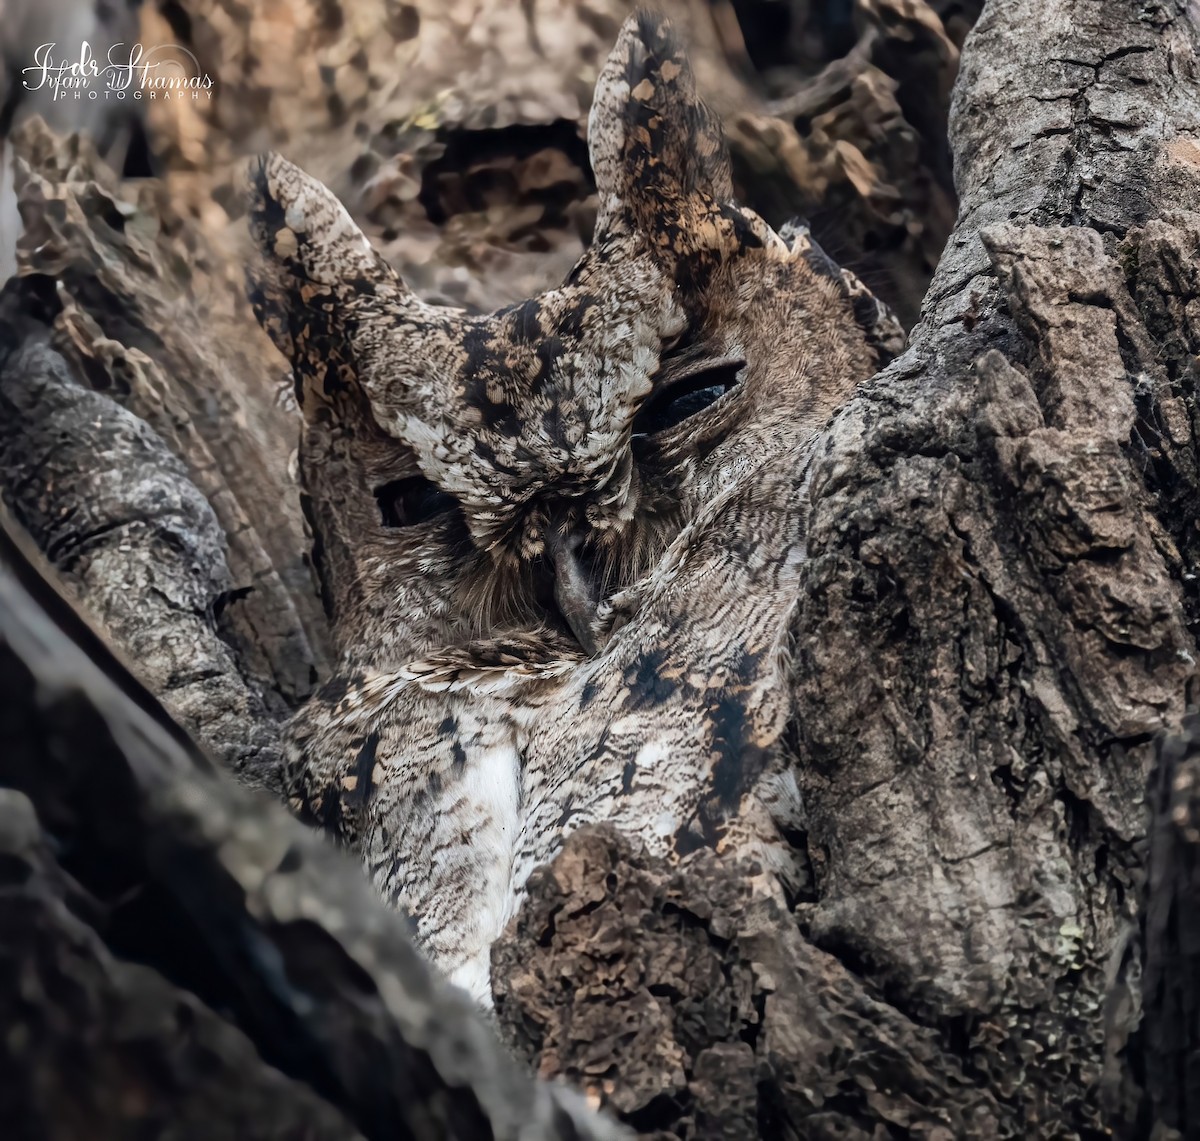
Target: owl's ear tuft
{"type": "Point", "coordinates": [303, 230]}
{"type": "Point", "coordinates": [315, 269]}
{"type": "Point", "coordinates": [654, 144]}
{"type": "Point", "coordinates": [881, 328]}
{"type": "Point", "coordinates": [300, 224]}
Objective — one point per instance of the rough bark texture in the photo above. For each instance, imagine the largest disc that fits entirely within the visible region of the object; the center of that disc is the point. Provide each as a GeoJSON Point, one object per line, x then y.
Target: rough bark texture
{"type": "Point", "coordinates": [999, 606]}
{"type": "Point", "coordinates": [272, 986]}
{"type": "Point", "coordinates": [999, 614]}
{"type": "Point", "coordinates": [693, 1009]}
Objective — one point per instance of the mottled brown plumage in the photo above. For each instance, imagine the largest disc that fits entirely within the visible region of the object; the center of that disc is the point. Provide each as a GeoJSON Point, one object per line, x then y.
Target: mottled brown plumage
{"type": "Point", "coordinates": [560, 543]}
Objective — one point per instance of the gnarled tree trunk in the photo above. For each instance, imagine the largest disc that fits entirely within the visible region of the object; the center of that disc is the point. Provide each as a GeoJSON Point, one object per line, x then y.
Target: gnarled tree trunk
{"type": "Point", "coordinates": [998, 619]}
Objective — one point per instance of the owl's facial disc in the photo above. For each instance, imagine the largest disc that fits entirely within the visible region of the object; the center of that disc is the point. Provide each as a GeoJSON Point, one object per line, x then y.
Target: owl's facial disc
{"type": "Point", "coordinates": [594, 543]}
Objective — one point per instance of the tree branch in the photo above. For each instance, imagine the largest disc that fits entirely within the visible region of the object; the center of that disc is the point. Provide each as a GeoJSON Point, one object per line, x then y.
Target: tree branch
{"type": "Point", "coordinates": [222, 894]}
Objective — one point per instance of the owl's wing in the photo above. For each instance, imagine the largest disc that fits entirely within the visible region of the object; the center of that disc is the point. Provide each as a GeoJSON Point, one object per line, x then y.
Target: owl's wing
{"type": "Point", "coordinates": [426, 783]}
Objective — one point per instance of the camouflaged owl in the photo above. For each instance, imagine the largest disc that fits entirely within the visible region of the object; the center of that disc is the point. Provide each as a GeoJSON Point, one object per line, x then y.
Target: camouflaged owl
{"type": "Point", "coordinates": [560, 543]}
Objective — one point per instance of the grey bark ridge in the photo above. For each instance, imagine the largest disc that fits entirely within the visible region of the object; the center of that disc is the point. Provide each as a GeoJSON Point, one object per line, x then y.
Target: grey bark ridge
{"type": "Point", "coordinates": [120, 519]}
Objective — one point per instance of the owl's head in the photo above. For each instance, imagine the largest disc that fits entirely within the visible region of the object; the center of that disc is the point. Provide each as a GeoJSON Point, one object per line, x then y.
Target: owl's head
{"type": "Point", "coordinates": [503, 478]}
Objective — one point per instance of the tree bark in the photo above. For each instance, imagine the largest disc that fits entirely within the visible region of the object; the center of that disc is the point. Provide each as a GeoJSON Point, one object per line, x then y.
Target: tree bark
{"type": "Point", "coordinates": [182, 955]}
{"type": "Point", "coordinates": [998, 616]}
{"type": "Point", "coordinates": [997, 623]}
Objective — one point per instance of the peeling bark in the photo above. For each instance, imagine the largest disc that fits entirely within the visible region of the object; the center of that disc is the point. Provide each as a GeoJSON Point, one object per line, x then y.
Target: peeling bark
{"type": "Point", "coordinates": [694, 1009]}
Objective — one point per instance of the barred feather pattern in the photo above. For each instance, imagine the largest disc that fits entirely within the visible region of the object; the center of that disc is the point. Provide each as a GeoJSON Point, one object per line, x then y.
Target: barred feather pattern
{"type": "Point", "coordinates": [560, 544]}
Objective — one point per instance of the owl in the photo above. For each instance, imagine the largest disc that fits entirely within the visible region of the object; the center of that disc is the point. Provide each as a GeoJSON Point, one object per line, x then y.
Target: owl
{"type": "Point", "coordinates": [560, 543]}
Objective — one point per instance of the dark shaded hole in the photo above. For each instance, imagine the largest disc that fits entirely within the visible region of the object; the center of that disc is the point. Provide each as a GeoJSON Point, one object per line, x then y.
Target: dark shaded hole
{"type": "Point", "coordinates": [662, 1112]}
{"type": "Point", "coordinates": [474, 169]}
{"type": "Point", "coordinates": [178, 19]}
{"type": "Point", "coordinates": [139, 159]}
{"type": "Point", "coordinates": [767, 28]}
{"type": "Point", "coordinates": [227, 598]}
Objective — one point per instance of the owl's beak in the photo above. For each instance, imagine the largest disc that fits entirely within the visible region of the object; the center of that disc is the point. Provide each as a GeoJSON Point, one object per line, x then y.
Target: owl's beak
{"type": "Point", "coordinates": [574, 590]}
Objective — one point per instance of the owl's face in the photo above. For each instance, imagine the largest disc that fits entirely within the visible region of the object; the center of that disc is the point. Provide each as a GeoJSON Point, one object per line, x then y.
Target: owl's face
{"type": "Point", "coordinates": [515, 476]}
